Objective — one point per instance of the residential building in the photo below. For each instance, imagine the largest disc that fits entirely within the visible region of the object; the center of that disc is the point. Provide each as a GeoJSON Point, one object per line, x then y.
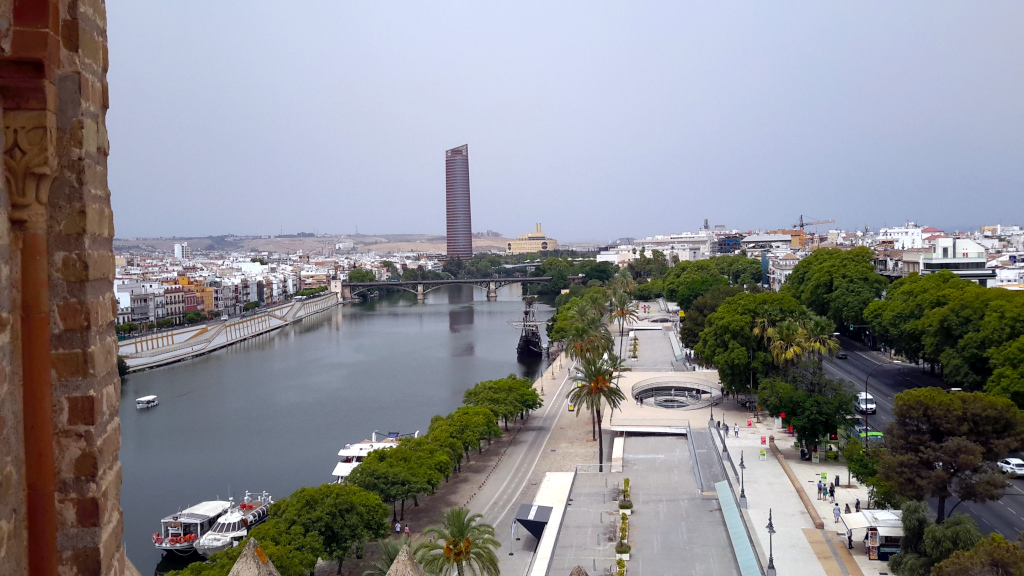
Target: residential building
{"type": "Point", "coordinates": [963, 257]}
{"type": "Point", "coordinates": [909, 236]}
{"type": "Point", "coordinates": [779, 268]}
{"type": "Point", "coordinates": [460, 222]}
{"type": "Point", "coordinates": [174, 302]}
{"type": "Point", "coordinates": [532, 242]}
{"type": "Point", "coordinates": [182, 251]}
{"type": "Point", "coordinates": [755, 244]}
{"type": "Point", "coordinates": [728, 243]}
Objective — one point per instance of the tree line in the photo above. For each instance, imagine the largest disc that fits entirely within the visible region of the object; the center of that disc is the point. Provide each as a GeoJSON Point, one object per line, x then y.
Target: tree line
{"type": "Point", "coordinates": [335, 521]}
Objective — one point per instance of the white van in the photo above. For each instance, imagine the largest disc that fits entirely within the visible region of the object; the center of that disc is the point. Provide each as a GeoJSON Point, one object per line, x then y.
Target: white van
{"type": "Point", "coordinates": [865, 404]}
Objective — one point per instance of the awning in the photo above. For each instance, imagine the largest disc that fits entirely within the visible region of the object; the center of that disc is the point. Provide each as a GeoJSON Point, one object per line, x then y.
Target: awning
{"type": "Point", "coordinates": [855, 520]}
{"type": "Point", "coordinates": [534, 518]}
{"type": "Point", "coordinates": [890, 531]}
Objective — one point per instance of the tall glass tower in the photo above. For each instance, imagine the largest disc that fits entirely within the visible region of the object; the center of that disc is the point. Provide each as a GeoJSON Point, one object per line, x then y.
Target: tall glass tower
{"type": "Point", "coordinates": [460, 224]}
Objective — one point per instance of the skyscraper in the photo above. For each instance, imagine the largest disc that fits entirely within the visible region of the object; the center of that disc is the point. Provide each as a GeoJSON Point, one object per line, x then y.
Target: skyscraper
{"type": "Point", "coordinates": [460, 223]}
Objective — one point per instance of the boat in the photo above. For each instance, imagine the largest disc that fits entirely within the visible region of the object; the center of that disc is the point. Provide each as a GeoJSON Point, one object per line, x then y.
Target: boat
{"type": "Point", "coordinates": [232, 527]}
{"type": "Point", "coordinates": [146, 402]}
{"type": "Point", "coordinates": [530, 345]}
{"type": "Point", "coordinates": [179, 532]}
{"type": "Point", "coordinates": [352, 454]}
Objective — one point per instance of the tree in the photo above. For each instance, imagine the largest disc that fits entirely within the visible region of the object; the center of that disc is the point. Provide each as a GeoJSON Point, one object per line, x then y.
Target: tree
{"type": "Point", "coordinates": [250, 306]}
{"type": "Point", "coordinates": [814, 405]}
{"type": "Point", "coordinates": [944, 445]}
{"type": "Point", "coordinates": [925, 544]}
{"type": "Point", "coordinates": [837, 284]}
{"type": "Point", "coordinates": [343, 515]}
{"type": "Point", "coordinates": [164, 323]}
{"type": "Point", "coordinates": [1007, 378]}
{"type": "Point", "coordinates": [508, 397]}
{"type": "Point", "coordinates": [731, 342]}
{"type": "Point", "coordinates": [462, 543]}
{"type": "Point", "coordinates": [122, 367]}
{"type": "Point", "coordinates": [696, 316]}
{"type": "Point", "coordinates": [594, 374]}
{"type": "Point", "coordinates": [694, 282]}
{"type": "Point", "coordinates": [992, 556]}
{"type": "Point", "coordinates": [193, 317]}
{"type": "Point", "coordinates": [361, 275]}
{"type": "Point", "coordinates": [624, 311]}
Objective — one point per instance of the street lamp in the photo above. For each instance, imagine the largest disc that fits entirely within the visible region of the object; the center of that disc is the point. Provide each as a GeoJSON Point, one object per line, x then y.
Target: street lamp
{"type": "Point", "coordinates": [771, 557]}
{"type": "Point", "coordinates": [743, 489]}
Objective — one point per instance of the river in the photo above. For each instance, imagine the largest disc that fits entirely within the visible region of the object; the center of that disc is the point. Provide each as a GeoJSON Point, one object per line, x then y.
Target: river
{"type": "Point", "coordinates": [271, 413]}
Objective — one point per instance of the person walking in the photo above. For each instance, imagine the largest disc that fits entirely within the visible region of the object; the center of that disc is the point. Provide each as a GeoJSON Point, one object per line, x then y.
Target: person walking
{"type": "Point", "coordinates": [820, 486]}
{"type": "Point", "coordinates": [847, 510]}
{"type": "Point", "coordinates": [406, 529]}
{"type": "Point", "coordinates": [398, 528]}
{"type": "Point", "coordinates": [832, 494]}
{"type": "Point", "coordinates": [856, 506]}
{"type": "Point", "coordinates": [736, 429]}
{"type": "Point", "coordinates": [836, 512]}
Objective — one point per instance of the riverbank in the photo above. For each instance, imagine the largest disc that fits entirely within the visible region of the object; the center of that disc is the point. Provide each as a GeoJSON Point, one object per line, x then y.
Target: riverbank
{"type": "Point", "coordinates": [160, 349]}
{"type": "Point", "coordinates": [466, 488]}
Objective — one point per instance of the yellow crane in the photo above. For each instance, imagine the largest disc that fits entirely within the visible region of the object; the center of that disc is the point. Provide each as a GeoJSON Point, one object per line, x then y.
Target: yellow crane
{"type": "Point", "coordinates": [801, 224]}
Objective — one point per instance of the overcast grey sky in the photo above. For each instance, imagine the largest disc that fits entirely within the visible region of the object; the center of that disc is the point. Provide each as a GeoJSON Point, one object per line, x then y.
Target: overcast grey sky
{"type": "Point", "coordinates": [599, 119]}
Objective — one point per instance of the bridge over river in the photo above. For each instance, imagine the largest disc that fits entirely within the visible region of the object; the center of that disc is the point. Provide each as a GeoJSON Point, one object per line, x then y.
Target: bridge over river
{"type": "Point", "coordinates": [421, 287]}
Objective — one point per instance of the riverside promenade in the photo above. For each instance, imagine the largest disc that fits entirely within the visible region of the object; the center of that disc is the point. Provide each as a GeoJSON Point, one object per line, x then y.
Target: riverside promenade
{"type": "Point", "coordinates": [159, 349]}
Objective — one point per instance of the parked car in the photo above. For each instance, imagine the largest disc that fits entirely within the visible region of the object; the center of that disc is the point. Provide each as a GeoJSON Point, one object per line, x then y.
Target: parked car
{"type": "Point", "coordinates": [1014, 465]}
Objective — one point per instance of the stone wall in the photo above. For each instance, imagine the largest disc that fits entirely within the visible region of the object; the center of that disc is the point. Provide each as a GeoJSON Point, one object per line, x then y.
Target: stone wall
{"type": "Point", "coordinates": [53, 64]}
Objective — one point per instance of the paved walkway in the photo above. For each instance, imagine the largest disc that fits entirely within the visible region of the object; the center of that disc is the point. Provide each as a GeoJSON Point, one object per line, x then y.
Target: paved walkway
{"type": "Point", "coordinates": [799, 547]}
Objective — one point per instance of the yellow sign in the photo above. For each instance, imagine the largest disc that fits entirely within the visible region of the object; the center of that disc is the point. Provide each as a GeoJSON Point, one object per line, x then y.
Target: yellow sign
{"type": "Point", "coordinates": [682, 314]}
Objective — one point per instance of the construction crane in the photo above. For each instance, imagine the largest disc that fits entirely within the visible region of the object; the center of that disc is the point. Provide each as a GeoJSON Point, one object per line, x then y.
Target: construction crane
{"type": "Point", "coordinates": [814, 223]}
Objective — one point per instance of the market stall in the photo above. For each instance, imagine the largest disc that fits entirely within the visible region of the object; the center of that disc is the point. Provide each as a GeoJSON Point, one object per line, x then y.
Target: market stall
{"type": "Point", "coordinates": [883, 531]}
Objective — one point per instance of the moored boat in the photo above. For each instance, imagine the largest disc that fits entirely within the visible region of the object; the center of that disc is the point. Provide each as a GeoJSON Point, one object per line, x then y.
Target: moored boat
{"type": "Point", "coordinates": [232, 527]}
{"type": "Point", "coordinates": [352, 454]}
{"type": "Point", "coordinates": [530, 345]}
{"type": "Point", "coordinates": [180, 532]}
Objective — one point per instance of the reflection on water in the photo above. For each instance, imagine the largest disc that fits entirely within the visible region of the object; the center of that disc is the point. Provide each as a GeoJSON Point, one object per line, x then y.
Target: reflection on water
{"type": "Point", "coordinates": [271, 413]}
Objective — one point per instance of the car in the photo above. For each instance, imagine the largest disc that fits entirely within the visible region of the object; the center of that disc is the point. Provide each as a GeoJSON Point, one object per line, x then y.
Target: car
{"type": "Point", "coordinates": [841, 356]}
{"type": "Point", "coordinates": [1012, 465]}
{"type": "Point", "coordinates": [660, 320]}
{"type": "Point", "coordinates": [865, 403]}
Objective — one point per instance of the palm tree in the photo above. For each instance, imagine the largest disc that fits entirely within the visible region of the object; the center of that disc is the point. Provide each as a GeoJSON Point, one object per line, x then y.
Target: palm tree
{"type": "Point", "coordinates": [818, 337]}
{"type": "Point", "coordinates": [460, 544]}
{"type": "Point", "coordinates": [596, 374]}
{"type": "Point", "coordinates": [787, 342]}
{"type": "Point", "coordinates": [764, 323]}
{"type": "Point", "coordinates": [624, 311]}
{"type": "Point", "coordinates": [587, 335]}
{"type": "Point", "coordinates": [389, 549]}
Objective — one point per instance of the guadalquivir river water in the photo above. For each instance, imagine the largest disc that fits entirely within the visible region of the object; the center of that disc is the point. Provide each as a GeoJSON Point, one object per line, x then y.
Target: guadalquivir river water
{"type": "Point", "coordinates": [271, 413]}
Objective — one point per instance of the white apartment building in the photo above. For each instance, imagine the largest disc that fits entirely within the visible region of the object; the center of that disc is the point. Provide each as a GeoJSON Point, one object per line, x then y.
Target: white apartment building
{"type": "Point", "coordinates": [903, 238]}
{"type": "Point", "coordinates": [963, 257]}
{"type": "Point", "coordinates": [779, 268]}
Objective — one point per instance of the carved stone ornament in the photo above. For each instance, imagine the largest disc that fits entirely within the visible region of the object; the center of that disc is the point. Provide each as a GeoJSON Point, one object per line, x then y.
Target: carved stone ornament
{"type": "Point", "coordinates": [30, 162]}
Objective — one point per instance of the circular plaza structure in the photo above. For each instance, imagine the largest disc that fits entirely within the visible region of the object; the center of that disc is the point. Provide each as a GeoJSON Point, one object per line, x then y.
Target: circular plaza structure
{"type": "Point", "coordinates": [675, 391]}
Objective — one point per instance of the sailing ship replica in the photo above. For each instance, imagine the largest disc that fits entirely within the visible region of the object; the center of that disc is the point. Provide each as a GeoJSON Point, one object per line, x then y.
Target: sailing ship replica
{"type": "Point", "coordinates": [530, 345]}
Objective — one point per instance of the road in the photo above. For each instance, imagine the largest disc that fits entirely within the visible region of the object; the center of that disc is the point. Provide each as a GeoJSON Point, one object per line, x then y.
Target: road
{"type": "Point", "coordinates": [509, 483]}
{"type": "Point", "coordinates": [1005, 516]}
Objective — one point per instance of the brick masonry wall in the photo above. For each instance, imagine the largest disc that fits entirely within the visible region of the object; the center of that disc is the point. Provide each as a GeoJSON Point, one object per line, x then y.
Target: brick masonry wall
{"type": "Point", "coordinates": [13, 536]}
{"type": "Point", "coordinates": [80, 231]}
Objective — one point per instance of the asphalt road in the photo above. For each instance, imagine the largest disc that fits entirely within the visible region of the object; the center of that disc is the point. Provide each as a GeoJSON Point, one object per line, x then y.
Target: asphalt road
{"type": "Point", "coordinates": [1005, 516]}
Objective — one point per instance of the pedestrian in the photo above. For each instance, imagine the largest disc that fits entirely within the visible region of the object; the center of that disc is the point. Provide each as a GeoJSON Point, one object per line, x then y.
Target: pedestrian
{"type": "Point", "coordinates": [398, 528]}
{"type": "Point", "coordinates": [819, 489]}
{"type": "Point", "coordinates": [856, 506]}
{"type": "Point", "coordinates": [836, 512]}
{"type": "Point", "coordinates": [849, 538]}
{"type": "Point", "coordinates": [847, 511]}
{"type": "Point", "coordinates": [406, 529]}
{"type": "Point", "coordinates": [832, 494]}
{"type": "Point", "coordinates": [736, 429]}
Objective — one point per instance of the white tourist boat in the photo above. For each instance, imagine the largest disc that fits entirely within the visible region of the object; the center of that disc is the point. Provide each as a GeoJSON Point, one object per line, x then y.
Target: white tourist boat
{"type": "Point", "coordinates": [232, 527]}
{"type": "Point", "coordinates": [146, 402]}
{"type": "Point", "coordinates": [352, 454]}
{"type": "Point", "coordinates": [180, 532]}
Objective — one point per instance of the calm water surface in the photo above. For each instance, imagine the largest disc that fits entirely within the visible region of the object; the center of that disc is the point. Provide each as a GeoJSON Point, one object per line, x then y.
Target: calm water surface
{"type": "Point", "coordinates": [271, 413]}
